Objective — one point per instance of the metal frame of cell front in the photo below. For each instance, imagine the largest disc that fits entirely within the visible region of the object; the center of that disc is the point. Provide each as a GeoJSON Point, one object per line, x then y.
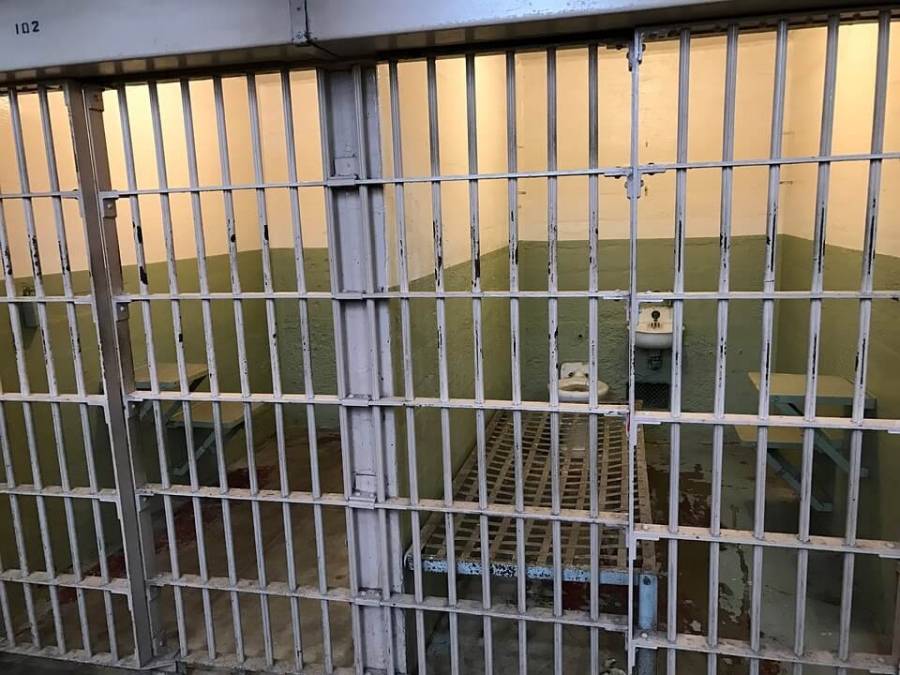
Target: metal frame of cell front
{"type": "Point", "coordinates": [370, 404]}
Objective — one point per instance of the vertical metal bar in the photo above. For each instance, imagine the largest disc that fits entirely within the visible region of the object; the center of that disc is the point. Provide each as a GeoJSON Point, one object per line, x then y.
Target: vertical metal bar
{"type": "Point", "coordinates": [684, 78]}
{"type": "Point", "coordinates": [78, 367]}
{"type": "Point", "coordinates": [21, 553]}
{"type": "Point", "coordinates": [478, 349]}
{"type": "Point", "coordinates": [334, 261]}
{"type": "Point", "coordinates": [18, 528]}
{"type": "Point", "coordinates": [8, 630]}
{"type": "Point", "coordinates": [19, 543]}
{"type": "Point", "coordinates": [409, 393]}
{"type": "Point", "coordinates": [633, 186]}
{"type": "Point", "coordinates": [183, 385]}
{"type": "Point", "coordinates": [346, 137]}
{"type": "Point", "coordinates": [303, 309]}
{"type": "Point", "coordinates": [371, 249]}
{"type": "Point", "coordinates": [21, 367]}
{"type": "Point", "coordinates": [443, 379]}
{"type": "Point", "coordinates": [271, 326]}
{"type": "Point", "coordinates": [815, 320]}
{"type": "Point", "coordinates": [593, 345]}
{"type": "Point", "coordinates": [553, 335]}
{"type": "Point", "coordinates": [84, 411]}
{"type": "Point", "coordinates": [768, 323]}
{"type": "Point", "coordinates": [722, 340]}
{"type": "Point", "coordinates": [408, 381]}
{"type": "Point", "coordinates": [858, 411]}
{"type": "Point", "coordinates": [150, 345]}
{"type": "Point", "coordinates": [515, 349]}
{"type": "Point", "coordinates": [212, 366]}
{"type": "Point", "coordinates": [89, 143]}
{"type": "Point", "coordinates": [243, 365]}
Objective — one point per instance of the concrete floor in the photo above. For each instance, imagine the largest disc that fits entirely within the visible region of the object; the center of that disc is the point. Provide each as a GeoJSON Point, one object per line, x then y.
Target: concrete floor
{"type": "Point", "coordinates": [275, 552]}
{"type": "Point", "coordinates": [14, 664]}
{"type": "Point", "coordinates": [734, 588]}
{"type": "Point", "coordinates": [779, 577]}
{"type": "Point", "coordinates": [779, 566]}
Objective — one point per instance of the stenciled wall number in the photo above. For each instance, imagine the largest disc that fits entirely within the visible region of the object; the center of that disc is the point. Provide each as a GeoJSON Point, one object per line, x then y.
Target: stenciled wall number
{"type": "Point", "coordinates": [28, 27]}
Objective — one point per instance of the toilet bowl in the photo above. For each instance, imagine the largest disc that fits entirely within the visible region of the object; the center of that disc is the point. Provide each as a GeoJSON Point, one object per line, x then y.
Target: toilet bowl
{"type": "Point", "coordinates": [574, 383]}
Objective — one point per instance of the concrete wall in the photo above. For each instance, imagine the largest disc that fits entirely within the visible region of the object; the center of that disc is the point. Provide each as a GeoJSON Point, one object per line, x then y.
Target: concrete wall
{"type": "Point", "coordinates": [653, 267]}
{"type": "Point", "coordinates": [879, 501]}
{"type": "Point", "coordinates": [303, 86]}
{"type": "Point", "coordinates": [461, 364]}
{"type": "Point", "coordinates": [490, 74]}
{"type": "Point", "coordinates": [844, 240]}
{"type": "Point", "coordinates": [195, 347]}
{"type": "Point", "coordinates": [658, 100]}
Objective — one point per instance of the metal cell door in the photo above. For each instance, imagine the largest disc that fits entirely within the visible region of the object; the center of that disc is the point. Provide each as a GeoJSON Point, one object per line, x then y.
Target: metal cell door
{"type": "Point", "coordinates": [73, 585]}
{"type": "Point", "coordinates": [363, 360]}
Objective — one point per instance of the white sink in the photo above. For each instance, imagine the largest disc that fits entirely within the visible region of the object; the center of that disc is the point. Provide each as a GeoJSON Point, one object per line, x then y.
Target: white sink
{"type": "Point", "coordinates": [654, 327]}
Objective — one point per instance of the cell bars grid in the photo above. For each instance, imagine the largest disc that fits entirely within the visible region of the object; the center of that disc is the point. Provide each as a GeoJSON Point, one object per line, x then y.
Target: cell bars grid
{"type": "Point", "coordinates": [76, 566]}
{"type": "Point", "coordinates": [368, 402]}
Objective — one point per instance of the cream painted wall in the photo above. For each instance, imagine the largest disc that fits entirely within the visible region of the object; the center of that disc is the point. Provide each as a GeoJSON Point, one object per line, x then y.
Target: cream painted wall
{"type": "Point", "coordinates": [854, 97]}
{"type": "Point", "coordinates": [658, 123]}
{"type": "Point", "coordinates": [240, 151]}
{"type": "Point", "coordinates": [490, 96]}
{"type": "Point", "coordinates": [39, 181]}
{"type": "Point", "coordinates": [657, 134]}
{"type": "Point", "coordinates": [308, 158]}
{"type": "Point", "coordinates": [658, 104]}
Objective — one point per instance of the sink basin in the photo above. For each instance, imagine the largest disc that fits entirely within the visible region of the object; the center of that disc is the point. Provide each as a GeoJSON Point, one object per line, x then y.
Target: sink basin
{"type": "Point", "coordinates": [654, 327]}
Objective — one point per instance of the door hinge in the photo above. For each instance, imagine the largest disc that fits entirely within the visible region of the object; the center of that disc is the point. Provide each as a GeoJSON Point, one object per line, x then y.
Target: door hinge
{"type": "Point", "coordinates": [635, 54]}
{"type": "Point", "coordinates": [95, 100]}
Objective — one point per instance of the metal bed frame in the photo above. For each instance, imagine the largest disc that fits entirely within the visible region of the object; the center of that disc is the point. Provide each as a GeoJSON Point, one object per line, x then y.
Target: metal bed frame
{"type": "Point", "coordinates": [612, 486]}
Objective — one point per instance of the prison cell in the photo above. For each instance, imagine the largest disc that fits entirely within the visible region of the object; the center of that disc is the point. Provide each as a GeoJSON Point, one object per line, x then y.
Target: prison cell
{"type": "Point", "coordinates": [343, 369]}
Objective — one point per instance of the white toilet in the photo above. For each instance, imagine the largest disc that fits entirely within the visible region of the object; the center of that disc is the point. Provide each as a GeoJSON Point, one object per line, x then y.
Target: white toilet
{"type": "Point", "coordinates": [574, 383]}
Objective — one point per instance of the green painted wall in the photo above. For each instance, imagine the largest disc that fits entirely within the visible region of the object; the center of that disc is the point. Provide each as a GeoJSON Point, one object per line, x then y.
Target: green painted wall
{"type": "Point", "coordinates": [255, 326]}
{"type": "Point", "coordinates": [223, 328]}
{"type": "Point", "coordinates": [655, 272]}
{"type": "Point", "coordinates": [45, 446]}
{"type": "Point", "coordinates": [460, 366]}
{"type": "Point", "coordinates": [879, 505]}
{"type": "Point", "coordinates": [321, 332]}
